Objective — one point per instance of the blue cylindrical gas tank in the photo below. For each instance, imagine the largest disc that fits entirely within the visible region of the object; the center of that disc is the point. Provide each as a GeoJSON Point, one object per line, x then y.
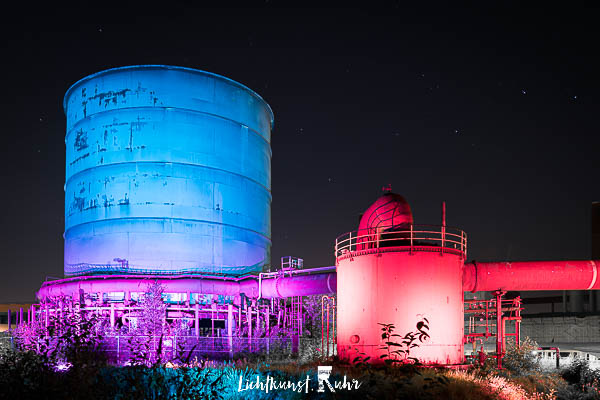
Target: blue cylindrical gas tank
{"type": "Point", "coordinates": [168, 170]}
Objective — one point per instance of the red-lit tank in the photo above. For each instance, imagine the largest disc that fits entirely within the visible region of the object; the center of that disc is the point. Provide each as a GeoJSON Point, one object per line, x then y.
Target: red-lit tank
{"type": "Point", "coordinates": [389, 210]}
{"type": "Point", "coordinates": [400, 274]}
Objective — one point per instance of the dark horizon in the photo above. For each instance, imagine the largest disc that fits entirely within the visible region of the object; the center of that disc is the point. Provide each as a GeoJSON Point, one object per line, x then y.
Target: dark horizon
{"type": "Point", "coordinates": [492, 110]}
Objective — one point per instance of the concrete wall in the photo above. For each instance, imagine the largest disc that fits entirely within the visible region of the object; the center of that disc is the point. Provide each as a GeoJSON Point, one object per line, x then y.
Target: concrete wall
{"type": "Point", "coordinates": [562, 329]}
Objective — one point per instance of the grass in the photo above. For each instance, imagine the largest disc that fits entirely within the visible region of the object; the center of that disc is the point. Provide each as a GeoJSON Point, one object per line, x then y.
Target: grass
{"type": "Point", "coordinates": [28, 375]}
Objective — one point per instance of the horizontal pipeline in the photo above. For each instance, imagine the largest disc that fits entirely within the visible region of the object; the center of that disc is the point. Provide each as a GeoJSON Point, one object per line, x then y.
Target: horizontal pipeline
{"type": "Point", "coordinates": [531, 275]}
{"type": "Point", "coordinates": [301, 283]}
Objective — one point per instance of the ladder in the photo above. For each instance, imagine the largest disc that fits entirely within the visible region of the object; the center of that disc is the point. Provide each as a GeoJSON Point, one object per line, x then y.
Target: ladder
{"type": "Point", "coordinates": [296, 315]}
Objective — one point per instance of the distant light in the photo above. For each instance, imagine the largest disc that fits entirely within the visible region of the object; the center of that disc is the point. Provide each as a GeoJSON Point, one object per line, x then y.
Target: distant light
{"type": "Point", "coordinates": [523, 91]}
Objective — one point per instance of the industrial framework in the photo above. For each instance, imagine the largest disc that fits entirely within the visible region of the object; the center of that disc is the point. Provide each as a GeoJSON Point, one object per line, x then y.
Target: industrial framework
{"type": "Point", "coordinates": [410, 273]}
{"type": "Point", "coordinates": [168, 181]}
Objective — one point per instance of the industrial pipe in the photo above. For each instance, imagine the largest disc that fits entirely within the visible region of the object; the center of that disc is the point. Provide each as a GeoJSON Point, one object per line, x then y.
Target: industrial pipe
{"type": "Point", "coordinates": [531, 275]}
{"type": "Point", "coordinates": [302, 284]}
{"type": "Point", "coordinates": [557, 354]}
{"type": "Point", "coordinates": [299, 285]}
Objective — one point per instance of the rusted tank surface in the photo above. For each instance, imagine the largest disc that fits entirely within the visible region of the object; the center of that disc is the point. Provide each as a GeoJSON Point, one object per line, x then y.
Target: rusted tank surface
{"type": "Point", "coordinates": [168, 170]}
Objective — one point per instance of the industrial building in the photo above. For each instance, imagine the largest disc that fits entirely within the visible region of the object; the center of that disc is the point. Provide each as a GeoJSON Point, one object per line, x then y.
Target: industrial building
{"type": "Point", "coordinates": [168, 180]}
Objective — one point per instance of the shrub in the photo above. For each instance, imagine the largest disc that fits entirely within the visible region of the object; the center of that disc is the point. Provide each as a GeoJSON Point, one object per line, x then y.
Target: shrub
{"type": "Point", "coordinates": [521, 360]}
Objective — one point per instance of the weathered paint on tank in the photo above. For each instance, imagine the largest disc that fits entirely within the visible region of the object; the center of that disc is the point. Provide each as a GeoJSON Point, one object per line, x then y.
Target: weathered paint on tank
{"type": "Point", "coordinates": [400, 288]}
{"type": "Point", "coordinates": [168, 170]}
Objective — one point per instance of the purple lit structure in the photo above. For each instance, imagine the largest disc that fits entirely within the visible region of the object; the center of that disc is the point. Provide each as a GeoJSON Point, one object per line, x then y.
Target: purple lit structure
{"type": "Point", "coordinates": [168, 182]}
{"type": "Point", "coordinates": [168, 177]}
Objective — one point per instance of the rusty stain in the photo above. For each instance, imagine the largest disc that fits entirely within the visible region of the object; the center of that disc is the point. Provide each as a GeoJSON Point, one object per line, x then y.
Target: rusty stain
{"type": "Point", "coordinates": [124, 201]}
{"type": "Point", "coordinates": [130, 139]}
{"type": "Point", "coordinates": [81, 140]}
{"type": "Point", "coordinates": [78, 203]}
{"type": "Point", "coordinates": [79, 158]}
{"type": "Point", "coordinates": [108, 202]}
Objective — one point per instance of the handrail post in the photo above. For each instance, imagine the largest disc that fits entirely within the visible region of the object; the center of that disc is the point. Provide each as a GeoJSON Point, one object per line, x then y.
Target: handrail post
{"type": "Point", "coordinates": [411, 238]}
{"type": "Point", "coordinates": [443, 239]}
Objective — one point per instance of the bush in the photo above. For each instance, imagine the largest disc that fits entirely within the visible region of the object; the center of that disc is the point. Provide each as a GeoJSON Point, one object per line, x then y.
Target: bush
{"type": "Point", "coordinates": [521, 360]}
{"type": "Point", "coordinates": [25, 374]}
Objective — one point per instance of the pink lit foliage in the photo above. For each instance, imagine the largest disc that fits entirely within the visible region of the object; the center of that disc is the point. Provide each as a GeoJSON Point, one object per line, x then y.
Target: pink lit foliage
{"type": "Point", "coordinates": [146, 342]}
{"type": "Point", "coordinates": [69, 337]}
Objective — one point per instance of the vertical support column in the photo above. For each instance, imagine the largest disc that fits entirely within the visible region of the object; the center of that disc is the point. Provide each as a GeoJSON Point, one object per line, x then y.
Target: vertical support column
{"type": "Point", "coordinates": [197, 319]}
{"type": "Point", "coordinates": [499, 324]}
{"type": "Point", "coordinates": [333, 331]}
{"type": "Point", "coordinates": [9, 320]}
{"type": "Point", "coordinates": [268, 327]}
{"type": "Point", "coordinates": [47, 314]}
{"type": "Point", "coordinates": [267, 320]}
{"type": "Point", "coordinates": [112, 315]}
{"type": "Point", "coordinates": [518, 323]}
{"type": "Point", "coordinates": [230, 328]}
{"type": "Point", "coordinates": [249, 321]}
{"type": "Point", "coordinates": [21, 316]}
{"type": "Point", "coordinates": [213, 307]}
{"type": "Point", "coordinates": [239, 327]}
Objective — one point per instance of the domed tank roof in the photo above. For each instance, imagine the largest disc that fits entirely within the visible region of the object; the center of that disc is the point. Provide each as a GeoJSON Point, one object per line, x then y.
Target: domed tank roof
{"type": "Point", "coordinates": [389, 210]}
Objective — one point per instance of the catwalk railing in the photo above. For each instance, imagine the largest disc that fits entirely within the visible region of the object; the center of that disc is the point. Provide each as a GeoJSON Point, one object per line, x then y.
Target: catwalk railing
{"type": "Point", "coordinates": [120, 350]}
{"type": "Point", "coordinates": [410, 236]}
{"type": "Point", "coordinates": [126, 349]}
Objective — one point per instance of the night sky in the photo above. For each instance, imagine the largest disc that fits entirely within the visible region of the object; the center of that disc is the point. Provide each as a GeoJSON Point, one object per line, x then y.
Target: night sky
{"type": "Point", "coordinates": [495, 111]}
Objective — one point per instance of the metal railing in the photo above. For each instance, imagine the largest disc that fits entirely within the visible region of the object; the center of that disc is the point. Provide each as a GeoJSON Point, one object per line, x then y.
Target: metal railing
{"type": "Point", "coordinates": [119, 349]}
{"type": "Point", "coordinates": [86, 269]}
{"type": "Point", "coordinates": [411, 236]}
